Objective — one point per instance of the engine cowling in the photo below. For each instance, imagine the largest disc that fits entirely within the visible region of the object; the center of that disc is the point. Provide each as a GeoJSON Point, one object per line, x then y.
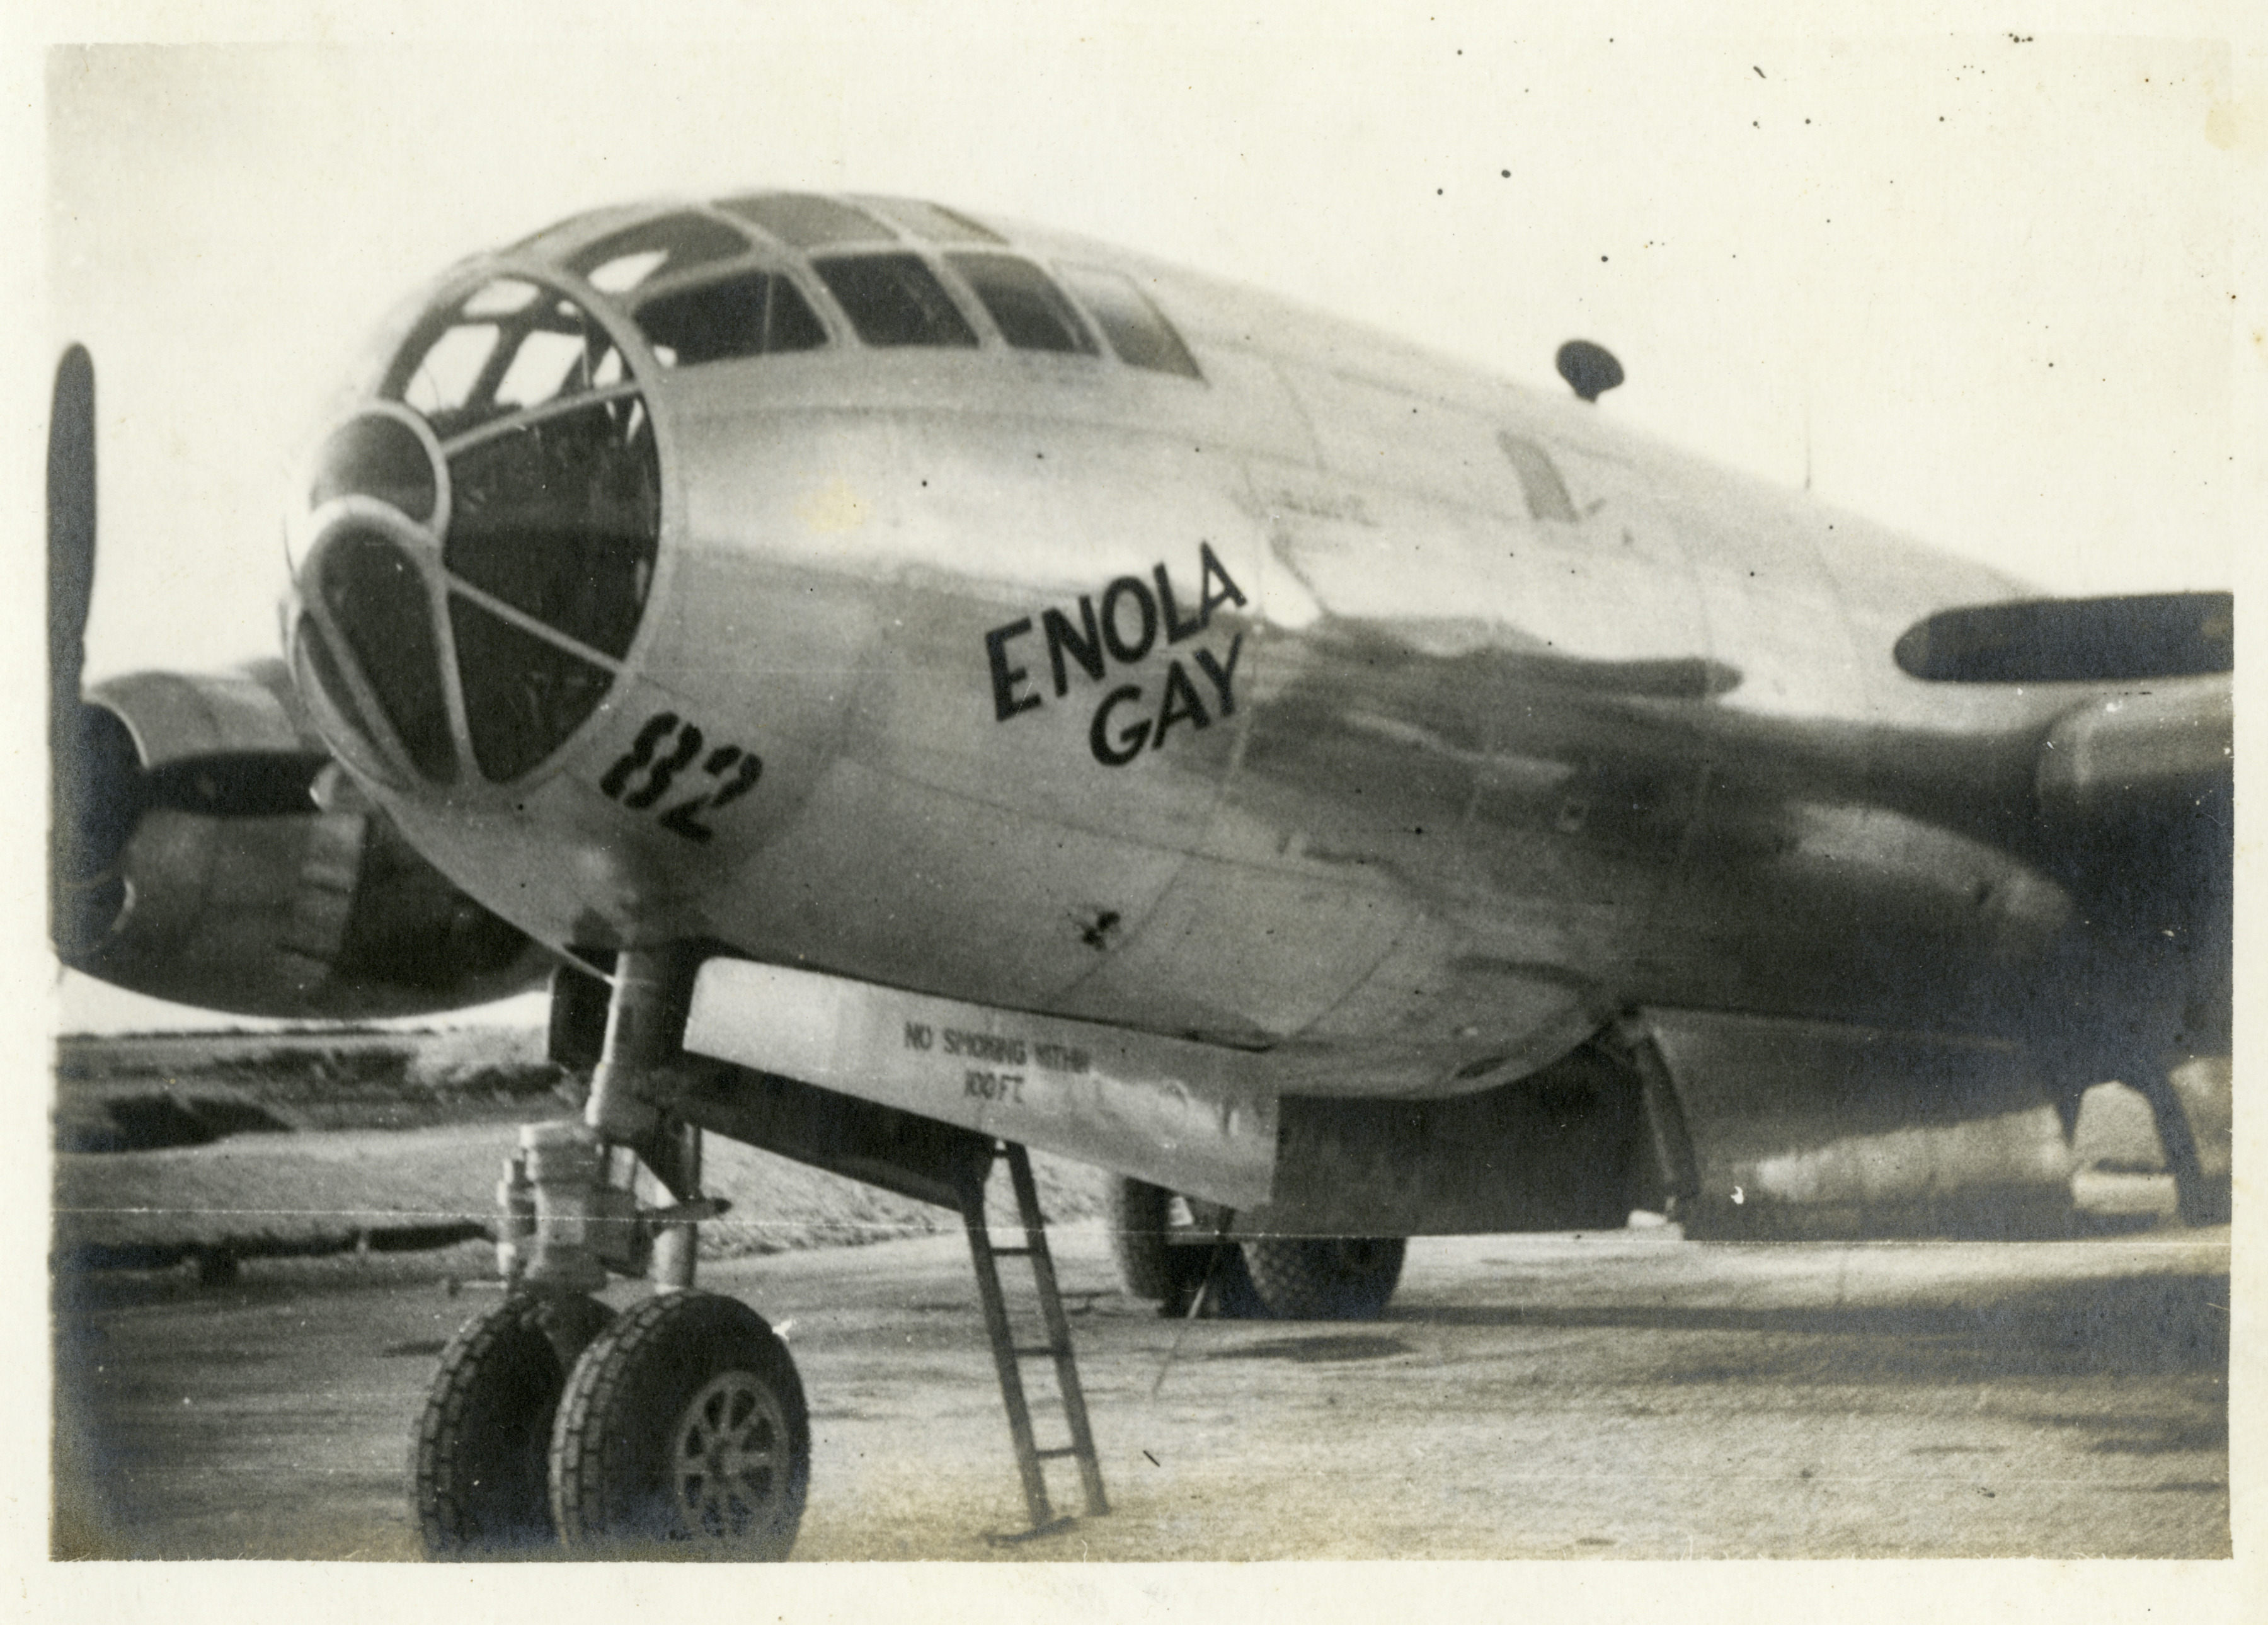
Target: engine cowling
{"type": "Point", "coordinates": [220, 860]}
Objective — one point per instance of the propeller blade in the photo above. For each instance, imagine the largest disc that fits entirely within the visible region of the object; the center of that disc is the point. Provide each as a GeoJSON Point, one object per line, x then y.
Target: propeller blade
{"type": "Point", "coordinates": [80, 767]}
{"type": "Point", "coordinates": [70, 523]}
{"type": "Point", "coordinates": [101, 788]}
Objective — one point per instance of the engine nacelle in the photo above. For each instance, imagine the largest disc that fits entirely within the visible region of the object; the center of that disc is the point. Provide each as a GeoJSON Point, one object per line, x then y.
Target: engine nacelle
{"type": "Point", "coordinates": [222, 861]}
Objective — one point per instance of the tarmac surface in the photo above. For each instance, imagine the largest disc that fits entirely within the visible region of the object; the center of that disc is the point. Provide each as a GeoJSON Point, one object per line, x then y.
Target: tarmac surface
{"type": "Point", "coordinates": [1613, 1396]}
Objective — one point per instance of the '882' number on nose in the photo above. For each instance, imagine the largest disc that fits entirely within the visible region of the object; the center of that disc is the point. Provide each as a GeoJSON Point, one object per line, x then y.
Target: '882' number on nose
{"type": "Point", "coordinates": [667, 748]}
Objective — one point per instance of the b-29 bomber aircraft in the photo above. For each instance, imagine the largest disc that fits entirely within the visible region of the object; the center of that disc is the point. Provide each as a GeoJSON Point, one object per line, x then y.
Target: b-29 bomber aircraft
{"type": "Point", "coordinates": [924, 686]}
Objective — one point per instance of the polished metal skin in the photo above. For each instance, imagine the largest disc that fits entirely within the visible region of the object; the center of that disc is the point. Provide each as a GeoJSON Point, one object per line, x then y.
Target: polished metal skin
{"type": "Point", "coordinates": [934, 609]}
{"type": "Point", "coordinates": [1339, 704]}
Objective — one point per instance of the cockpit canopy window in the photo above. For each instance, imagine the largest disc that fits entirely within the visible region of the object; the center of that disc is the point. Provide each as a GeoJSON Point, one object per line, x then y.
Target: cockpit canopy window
{"type": "Point", "coordinates": [1136, 330]}
{"type": "Point", "coordinates": [524, 695]}
{"type": "Point", "coordinates": [1029, 310]}
{"type": "Point", "coordinates": [931, 220]}
{"type": "Point", "coordinates": [622, 260]}
{"type": "Point", "coordinates": [802, 221]}
{"type": "Point", "coordinates": [894, 299]}
{"type": "Point", "coordinates": [753, 314]}
{"type": "Point", "coordinates": [507, 346]}
{"type": "Point", "coordinates": [373, 455]}
{"type": "Point", "coordinates": [560, 518]}
{"type": "Point", "coordinates": [376, 596]}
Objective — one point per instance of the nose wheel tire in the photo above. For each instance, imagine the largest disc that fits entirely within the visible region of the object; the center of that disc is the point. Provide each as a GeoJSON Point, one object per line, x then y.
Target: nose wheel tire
{"type": "Point", "coordinates": [683, 1433]}
{"type": "Point", "coordinates": [1327, 1278]}
{"type": "Point", "coordinates": [478, 1475]}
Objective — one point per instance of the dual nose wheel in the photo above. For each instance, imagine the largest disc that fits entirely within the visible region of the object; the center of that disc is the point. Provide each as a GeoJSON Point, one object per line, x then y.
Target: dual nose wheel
{"type": "Point", "coordinates": [677, 1430]}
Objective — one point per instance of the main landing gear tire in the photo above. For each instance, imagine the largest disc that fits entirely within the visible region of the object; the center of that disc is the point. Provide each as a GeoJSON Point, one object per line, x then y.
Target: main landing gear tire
{"type": "Point", "coordinates": [1158, 1238]}
{"type": "Point", "coordinates": [683, 1433]}
{"type": "Point", "coordinates": [477, 1468]}
{"type": "Point", "coordinates": [1329, 1278]}
{"type": "Point", "coordinates": [1139, 1214]}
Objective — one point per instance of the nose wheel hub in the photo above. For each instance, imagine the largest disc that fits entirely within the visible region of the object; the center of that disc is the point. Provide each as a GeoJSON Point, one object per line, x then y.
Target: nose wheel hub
{"type": "Point", "coordinates": [730, 1446]}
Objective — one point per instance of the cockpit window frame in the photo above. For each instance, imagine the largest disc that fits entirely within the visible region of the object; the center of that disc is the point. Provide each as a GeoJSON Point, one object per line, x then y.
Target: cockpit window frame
{"type": "Point", "coordinates": [1173, 357]}
{"type": "Point", "coordinates": [1086, 344]}
{"type": "Point", "coordinates": [897, 225]}
{"type": "Point", "coordinates": [973, 319]}
{"type": "Point", "coordinates": [933, 222]}
{"type": "Point", "coordinates": [449, 312]}
{"type": "Point", "coordinates": [760, 254]}
{"type": "Point", "coordinates": [778, 275]}
{"type": "Point", "coordinates": [746, 210]}
{"type": "Point", "coordinates": [688, 240]}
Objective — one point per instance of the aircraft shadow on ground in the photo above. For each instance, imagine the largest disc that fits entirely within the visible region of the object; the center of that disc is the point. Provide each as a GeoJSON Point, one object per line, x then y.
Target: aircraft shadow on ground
{"type": "Point", "coordinates": [2157, 1326]}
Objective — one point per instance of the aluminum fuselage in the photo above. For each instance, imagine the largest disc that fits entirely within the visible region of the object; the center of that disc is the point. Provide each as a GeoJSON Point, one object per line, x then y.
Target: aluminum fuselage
{"type": "Point", "coordinates": [1425, 771]}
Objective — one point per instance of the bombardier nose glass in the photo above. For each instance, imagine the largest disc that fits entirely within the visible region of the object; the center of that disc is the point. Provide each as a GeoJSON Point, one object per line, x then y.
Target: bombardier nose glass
{"type": "Point", "coordinates": [486, 605]}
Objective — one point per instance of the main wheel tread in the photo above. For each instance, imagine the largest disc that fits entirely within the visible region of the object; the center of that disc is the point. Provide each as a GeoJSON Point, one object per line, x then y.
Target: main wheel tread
{"type": "Point", "coordinates": [616, 1427]}
{"type": "Point", "coordinates": [477, 1453]}
{"type": "Point", "coordinates": [1138, 1213]}
{"type": "Point", "coordinates": [1327, 1278]}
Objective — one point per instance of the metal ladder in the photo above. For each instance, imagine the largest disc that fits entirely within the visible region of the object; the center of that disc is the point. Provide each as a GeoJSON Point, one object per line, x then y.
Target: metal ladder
{"type": "Point", "coordinates": [1007, 1353]}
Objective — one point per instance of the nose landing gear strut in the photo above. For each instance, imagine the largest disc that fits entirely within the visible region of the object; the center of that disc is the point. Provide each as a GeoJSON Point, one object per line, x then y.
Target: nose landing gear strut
{"type": "Point", "coordinates": [677, 1429]}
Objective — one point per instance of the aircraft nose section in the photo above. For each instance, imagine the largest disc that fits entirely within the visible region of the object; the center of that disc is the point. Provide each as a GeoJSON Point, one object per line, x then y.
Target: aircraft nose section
{"type": "Point", "coordinates": [383, 455]}
{"type": "Point", "coordinates": [478, 545]}
{"type": "Point", "coordinates": [371, 595]}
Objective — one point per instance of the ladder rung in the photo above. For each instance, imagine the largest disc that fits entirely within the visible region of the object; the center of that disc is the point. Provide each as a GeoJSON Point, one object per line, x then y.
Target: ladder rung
{"type": "Point", "coordinates": [1007, 1352]}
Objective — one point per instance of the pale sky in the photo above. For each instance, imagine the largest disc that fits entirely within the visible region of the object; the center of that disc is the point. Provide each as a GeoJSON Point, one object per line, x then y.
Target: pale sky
{"type": "Point", "coordinates": [1985, 281]}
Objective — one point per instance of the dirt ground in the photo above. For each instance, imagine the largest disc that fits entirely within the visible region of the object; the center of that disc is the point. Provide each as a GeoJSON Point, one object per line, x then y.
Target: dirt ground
{"type": "Point", "coordinates": [1628, 1395]}
{"type": "Point", "coordinates": [1618, 1395]}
